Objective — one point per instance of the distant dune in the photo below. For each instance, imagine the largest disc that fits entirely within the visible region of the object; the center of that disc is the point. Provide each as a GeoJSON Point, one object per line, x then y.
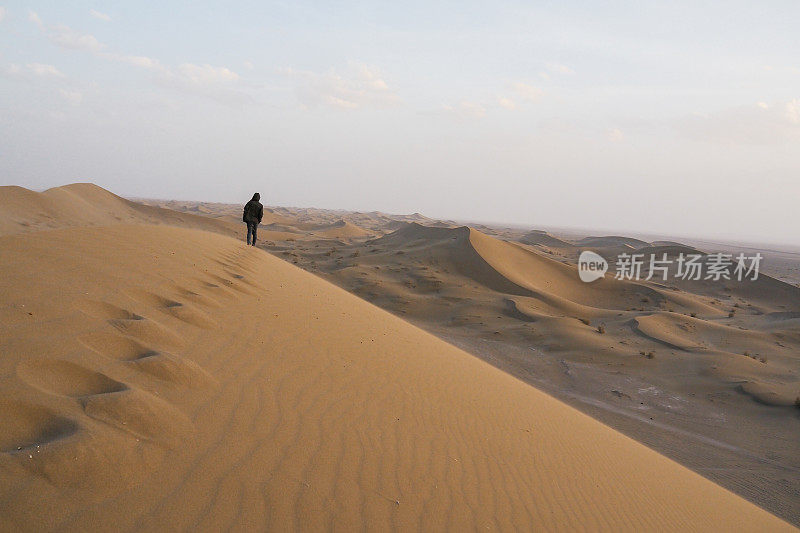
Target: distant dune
{"type": "Point", "coordinates": [339, 230]}
{"type": "Point", "coordinates": [86, 204]}
{"type": "Point", "coordinates": [158, 375]}
{"type": "Point", "coordinates": [611, 240]}
{"type": "Point", "coordinates": [545, 239]}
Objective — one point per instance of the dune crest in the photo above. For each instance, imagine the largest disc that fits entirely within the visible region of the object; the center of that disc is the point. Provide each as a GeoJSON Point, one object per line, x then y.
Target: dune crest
{"type": "Point", "coordinates": [86, 204]}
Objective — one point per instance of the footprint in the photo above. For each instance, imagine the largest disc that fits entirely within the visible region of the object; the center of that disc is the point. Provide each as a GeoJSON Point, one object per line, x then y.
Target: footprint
{"type": "Point", "coordinates": [67, 379]}
{"type": "Point", "coordinates": [173, 369]}
{"type": "Point", "coordinates": [103, 399]}
{"type": "Point", "coordinates": [147, 331]}
{"type": "Point", "coordinates": [116, 346]}
{"type": "Point", "coordinates": [149, 299]}
{"type": "Point", "coordinates": [192, 315]}
{"type": "Point", "coordinates": [199, 299]}
{"type": "Point", "coordinates": [234, 263]}
{"type": "Point", "coordinates": [186, 312]}
{"type": "Point", "coordinates": [26, 426]}
{"type": "Point", "coordinates": [217, 289]}
{"type": "Point", "coordinates": [106, 311]}
{"type": "Point", "coordinates": [161, 365]}
{"type": "Point", "coordinates": [140, 414]}
{"type": "Point", "coordinates": [242, 278]}
{"type": "Point", "coordinates": [130, 323]}
{"type": "Point", "coordinates": [230, 284]}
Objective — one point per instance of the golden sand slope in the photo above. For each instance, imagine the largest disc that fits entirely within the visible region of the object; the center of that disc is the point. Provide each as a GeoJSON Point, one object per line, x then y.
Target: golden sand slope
{"type": "Point", "coordinates": [86, 204]}
{"type": "Point", "coordinates": [165, 378]}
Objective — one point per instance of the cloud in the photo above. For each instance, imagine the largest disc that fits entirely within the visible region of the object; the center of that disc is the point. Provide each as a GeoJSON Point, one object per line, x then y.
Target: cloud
{"type": "Point", "coordinates": [359, 86]}
{"type": "Point", "coordinates": [557, 68]}
{"type": "Point", "coordinates": [203, 79]}
{"type": "Point", "coordinates": [792, 111]}
{"type": "Point", "coordinates": [506, 103]}
{"type": "Point", "coordinates": [466, 109]}
{"type": "Point", "coordinates": [72, 97]}
{"type": "Point", "coordinates": [2, 13]}
{"type": "Point", "coordinates": [615, 135]}
{"type": "Point", "coordinates": [526, 91]}
{"type": "Point", "coordinates": [66, 37]}
{"type": "Point", "coordinates": [186, 76]}
{"type": "Point", "coordinates": [34, 17]}
{"type": "Point", "coordinates": [12, 70]}
{"type": "Point", "coordinates": [205, 74]}
{"type": "Point", "coordinates": [217, 83]}
{"type": "Point", "coordinates": [44, 70]}
{"type": "Point", "coordinates": [32, 71]}
{"type": "Point", "coordinates": [98, 15]}
{"type": "Point", "coordinates": [757, 124]}
{"type": "Point", "coordinates": [138, 61]}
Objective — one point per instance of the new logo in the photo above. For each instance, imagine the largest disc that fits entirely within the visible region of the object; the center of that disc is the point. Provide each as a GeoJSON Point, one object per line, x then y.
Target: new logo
{"type": "Point", "coordinates": [591, 266]}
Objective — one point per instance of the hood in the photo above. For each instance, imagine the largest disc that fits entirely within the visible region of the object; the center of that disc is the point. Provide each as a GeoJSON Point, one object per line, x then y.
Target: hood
{"type": "Point", "coordinates": [256, 197]}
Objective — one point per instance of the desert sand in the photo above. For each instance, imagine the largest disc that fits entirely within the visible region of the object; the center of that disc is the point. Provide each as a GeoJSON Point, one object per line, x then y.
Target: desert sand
{"type": "Point", "coordinates": [156, 373]}
{"type": "Point", "coordinates": [704, 372]}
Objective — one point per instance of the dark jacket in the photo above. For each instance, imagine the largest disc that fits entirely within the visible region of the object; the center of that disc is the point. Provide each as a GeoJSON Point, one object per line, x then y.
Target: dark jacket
{"type": "Point", "coordinates": [253, 210]}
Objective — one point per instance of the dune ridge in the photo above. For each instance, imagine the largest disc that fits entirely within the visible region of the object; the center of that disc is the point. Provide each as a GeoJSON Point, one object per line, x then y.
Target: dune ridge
{"type": "Point", "coordinates": [86, 204]}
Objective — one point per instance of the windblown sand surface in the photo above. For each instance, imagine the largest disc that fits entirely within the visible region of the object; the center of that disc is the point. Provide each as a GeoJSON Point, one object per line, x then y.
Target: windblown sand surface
{"type": "Point", "coordinates": [159, 377]}
{"type": "Point", "coordinates": [706, 372]}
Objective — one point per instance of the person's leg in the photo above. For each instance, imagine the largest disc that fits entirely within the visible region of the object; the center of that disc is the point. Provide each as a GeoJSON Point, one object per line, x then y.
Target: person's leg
{"type": "Point", "coordinates": [255, 227]}
{"type": "Point", "coordinates": [249, 232]}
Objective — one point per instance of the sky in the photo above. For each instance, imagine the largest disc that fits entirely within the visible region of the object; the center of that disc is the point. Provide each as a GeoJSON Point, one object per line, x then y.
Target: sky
{"type": "Point", "coordinates": [675, 118]}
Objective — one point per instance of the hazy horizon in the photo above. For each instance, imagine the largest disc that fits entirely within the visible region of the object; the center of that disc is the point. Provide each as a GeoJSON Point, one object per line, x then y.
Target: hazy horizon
{"type": "Point", "coordinates": [674, 120]}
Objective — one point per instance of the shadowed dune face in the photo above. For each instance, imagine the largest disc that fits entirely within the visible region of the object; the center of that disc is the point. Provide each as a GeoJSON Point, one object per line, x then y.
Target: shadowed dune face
{"type": "Point", "coordinates": [303, 406]}
{"type": "Point", "coordinates": [459, 276]}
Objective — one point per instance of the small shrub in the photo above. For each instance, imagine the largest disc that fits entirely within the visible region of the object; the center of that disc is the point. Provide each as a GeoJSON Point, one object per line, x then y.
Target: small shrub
{"type": "Point", "coordinates": [651, 355]}
{"type": "Point", "coordinates": [731, 314]}
{"type": "Point", "coordinates": [585, 321]}
{"type": "Point", "coordinates": [601, 329]}
{"type": "Point", "coordinates": [763, 360]}
{"type": "Point", "coordinates": [797, 402]}
{"type": "Point", "coordinates": [747, 354]}
{"type": "Point", "coordinates": [693, 315]}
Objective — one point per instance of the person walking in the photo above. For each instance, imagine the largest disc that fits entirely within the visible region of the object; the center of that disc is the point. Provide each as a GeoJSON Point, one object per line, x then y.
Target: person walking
{"type": "Point", "coordinates": [253, 213]}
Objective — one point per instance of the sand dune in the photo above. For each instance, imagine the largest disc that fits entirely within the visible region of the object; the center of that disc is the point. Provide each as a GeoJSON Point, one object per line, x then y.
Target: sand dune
{"type": "Point", "coordinates": [159, 377]}
{"type": "Point", "coordinates": [339, 229]}
{"type": "Point", "coordinates": [663, 353]}
{"type": "Point", "coordinates": [611, 241]}
{"type": "Point", "coordinates": [86, 204]}
{"type": "Point", "coordinates": [299, 406]}
{"type": "Point", "coordinates": [545, 239]}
